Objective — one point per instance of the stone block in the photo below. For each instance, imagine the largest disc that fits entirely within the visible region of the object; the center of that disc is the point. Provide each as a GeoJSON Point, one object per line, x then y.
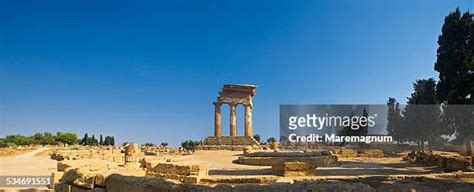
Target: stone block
{"type": "Point", "coordinates": [55, 176]}
{"type": "Point", "coordinates": [79, 189]}
{"type": "Point", "coordinates": [192, 179]}
{"type": "Point", "coordinates": [85, 180]}
{"type": "Point", "coordinates": [186, 170]}
{"type": "Point", "coordinates": [62, 187]}
{"type": "Point", "coordinates": [457, 163]}
{"type": "Point", "coordinates": [100, 178]}
{"type": "Point", "coordinates": [61, 166]}
{"type": "Point", "coordinates": [70, 175]}
{"type": "Point", "coordinates": [289, 169]}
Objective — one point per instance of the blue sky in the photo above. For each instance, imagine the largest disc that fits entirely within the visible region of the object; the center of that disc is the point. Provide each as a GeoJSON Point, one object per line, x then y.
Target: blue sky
{"type": "Point", "coordinates": [148, 71]}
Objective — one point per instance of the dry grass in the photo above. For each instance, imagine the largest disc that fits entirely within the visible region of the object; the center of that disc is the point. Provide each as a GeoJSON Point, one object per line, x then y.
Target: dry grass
{"type": "Point", "coordinates": [47, 152]}
{"type": "Point", "coordinates": [7, 152]}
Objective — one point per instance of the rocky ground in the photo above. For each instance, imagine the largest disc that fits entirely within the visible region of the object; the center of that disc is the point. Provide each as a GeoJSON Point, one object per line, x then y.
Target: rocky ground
{"type": "Point", "coordinates": [220, 165]}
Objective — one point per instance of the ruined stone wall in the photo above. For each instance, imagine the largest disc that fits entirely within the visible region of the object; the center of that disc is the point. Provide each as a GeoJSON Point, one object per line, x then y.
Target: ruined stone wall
{"type": "Point", "coordinates": [446, 161]}
{"type": "Point", "coordinates": [269, 158]}
{"type": "Point", "coordinates": [351, 153]}
{"type": "Point", "coordinates": [113, 154]}
{"type": "Point", "coordinates": [119, 183]}
{"type": "Point", "coordinates": [181, 172]}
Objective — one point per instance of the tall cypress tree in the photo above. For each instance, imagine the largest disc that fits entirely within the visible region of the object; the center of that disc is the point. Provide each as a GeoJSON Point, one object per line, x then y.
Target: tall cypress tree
{"type": "Point", "coordinates": [422, 115]}
{"type": "Point", "coordinates": [452, 57]}
{"type": "Point", "coordinates": [456, 73]}
{"type": "Point", "coordinates": [101, 141]}
{"type": "Point", "coordinates": [85, 139]}
{"type": "Point", "coordinates": [394, 127]}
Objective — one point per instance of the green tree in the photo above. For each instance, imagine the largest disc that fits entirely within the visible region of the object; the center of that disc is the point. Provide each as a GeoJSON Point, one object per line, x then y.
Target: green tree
{"type": "Point", "coordinates": [49, 138]}
{"type": "Point", "coordinates": [455, 65]}
{"type": "Point", "coordinates": [38, 139]}
{"type": "Point", "coordinates": [108, 141]}
{"type": "Point", "coordinates": [257, 138]}
{"type": "Point", "coordinates": [93, 141]}
{"type": "Point", "coordinates": [68, 138]}
{"type": "Point", "coordinates": [394, 127]}
{"type": "Point", "coordinates": [85, 139]}
{"type": "Point", "coordinates": [18, 140]}
{"type": "Point", "coordinates": [101, 141]}
{"type": "Point", "coordinates": [422, 114]}
{"type": "Point", "coordinates": [190, 144]}
{"type": "Point", "coordinates": [453, 55]}
{"type": "Point", "coordinates": [149, 145]}
{"type": "Point", "coordinates": [271, 140]}
{"type": "Point", "coordinates": [112, 142]}
{"type": "Point", "coordinates": [164, 144]}
{"type": "Point", "coordinates": [361, 130]}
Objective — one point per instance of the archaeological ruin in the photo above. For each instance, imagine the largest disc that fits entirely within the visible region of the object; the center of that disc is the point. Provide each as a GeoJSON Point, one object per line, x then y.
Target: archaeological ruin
{"type": "Point", "coordinates": [233, 95]}
{"type": "Point", "coordinates": [240, 163]}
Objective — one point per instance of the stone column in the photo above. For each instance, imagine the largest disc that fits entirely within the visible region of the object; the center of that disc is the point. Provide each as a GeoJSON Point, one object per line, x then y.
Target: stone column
{"type": "Point", "coordinates": [248, 121]}
{"type": "Point", "coordinates": [217, 120]}
{"type": "Point", "coordinates": [233, 120]}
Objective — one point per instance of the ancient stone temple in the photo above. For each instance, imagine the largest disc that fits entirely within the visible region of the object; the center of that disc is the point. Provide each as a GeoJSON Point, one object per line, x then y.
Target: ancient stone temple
{"type": "Point", "coordinates": [132, 155]}
{"type": "Point", "coordinates": [233, 95]}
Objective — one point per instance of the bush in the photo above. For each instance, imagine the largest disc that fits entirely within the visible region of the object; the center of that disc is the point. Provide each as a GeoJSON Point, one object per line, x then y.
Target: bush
{"type": "Point", "coordinates": [190, 144]}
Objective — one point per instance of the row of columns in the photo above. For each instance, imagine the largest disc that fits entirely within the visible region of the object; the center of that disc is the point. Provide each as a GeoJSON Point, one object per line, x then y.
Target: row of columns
{"type": "Point", "coordinates": [233, 120]}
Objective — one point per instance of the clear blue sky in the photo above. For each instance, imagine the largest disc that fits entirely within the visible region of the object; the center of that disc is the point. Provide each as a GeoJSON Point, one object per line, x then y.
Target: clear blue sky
{"type": "Point", "coordinates": [148, 71]}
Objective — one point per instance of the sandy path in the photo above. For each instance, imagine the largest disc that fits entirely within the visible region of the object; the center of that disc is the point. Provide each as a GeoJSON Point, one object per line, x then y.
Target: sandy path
{"type": "Point", "coordinates": [27, 164]}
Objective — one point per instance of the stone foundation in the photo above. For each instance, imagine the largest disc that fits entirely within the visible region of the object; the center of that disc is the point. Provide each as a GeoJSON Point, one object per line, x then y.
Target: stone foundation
{"type": "Point", "coordinates": [270, 158]}
{"type": "Point", "coordinates": [112, 154]}
{"type": "Point", "coordinates": [229, 143]}
{"type": "Point", "coordinates": [448, 162]}
{"type": "Point", "coordinates": [183, 173]}
{"type": "Point", "coordinates": [292, 169]}
{"type": "Point", "coordinates": [351, 153]}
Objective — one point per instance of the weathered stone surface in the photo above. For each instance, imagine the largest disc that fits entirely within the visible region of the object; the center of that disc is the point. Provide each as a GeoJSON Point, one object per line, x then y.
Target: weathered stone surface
{"type": "Point", "coordinates": [261, 179]}
{"type": "Point", "coordinates": [458, 163]}
{"type": "Point", "coordinates": [55, 176]}
{"type": "Point", "coordinates": [85, 179]}
{"type": "Point", "coordinates": [97, 153]}
{"type": "Point", "coordinates": [290, 169]}
{"type": "Point", "coordinates": [269, 161]}
{"type": "Point", "coordinates": [177, 169]}
{"type": "Point", "coordinates": [61, 187]}
{"type": "Point", "coordinates": [79, 189]}
{"type": "Point", "coordinates": [120, 183]}
{"type": "Point", "coordinates": [446, 161]}
{"type": "Point", "coordinates": [192, 179]}
{"type": "Point", "coordinates": [89, 164]}
{"type": "Point", "coordinates": [71, 175]}
{"type": "Point", "coordinates": [100, 178]}
{"type": "Point", "coordinates": [350, 153]}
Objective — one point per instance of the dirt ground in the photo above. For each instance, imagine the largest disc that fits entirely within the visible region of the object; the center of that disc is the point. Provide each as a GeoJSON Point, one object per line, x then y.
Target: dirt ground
{"type": "Point", "coordinates": [38, 163]}
{"type": "Point", "coordinates": [27, 164]}
{"type": "Point", "coordinates": [32, 163]}
{"type": "Point", "coordinates": [220, 163]}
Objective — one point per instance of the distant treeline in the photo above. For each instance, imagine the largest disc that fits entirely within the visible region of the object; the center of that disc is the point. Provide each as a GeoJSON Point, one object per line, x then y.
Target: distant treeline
{"type": "Point", "coordinates": [46, 138]}
{"type": "Point", "coordinates": [86, 140]}
{"type": "Point", "coordinates": [455, 65]}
